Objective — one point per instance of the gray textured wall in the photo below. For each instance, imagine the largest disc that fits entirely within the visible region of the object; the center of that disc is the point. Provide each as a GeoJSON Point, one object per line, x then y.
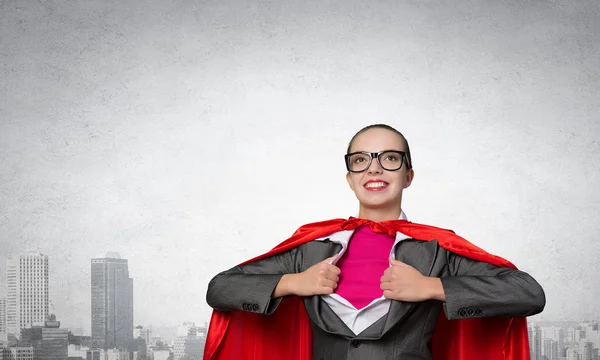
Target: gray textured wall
{"type": "Point", "coordinates": [177, 132]}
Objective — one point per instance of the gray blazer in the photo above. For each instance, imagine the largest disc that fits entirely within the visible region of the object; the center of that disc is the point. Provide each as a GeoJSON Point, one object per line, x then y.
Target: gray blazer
{"type": "Point", "coordinates": [472, 289]}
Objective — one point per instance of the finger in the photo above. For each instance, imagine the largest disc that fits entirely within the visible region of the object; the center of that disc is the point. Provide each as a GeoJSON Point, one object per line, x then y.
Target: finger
{"type": "Point", "coordinates": [391, 273]}
{"type": "Point", "coordinates": [331, 276]}
{"type": "Point", "coordinates": [324, 291]}
{"type": "Point", "coordinates": [334, 269]}
{"type": "Point", "coordinates": [386, 278]}
{"type": "Point", "coordinates": [324, 267]}
{"type": "Point", "coordinates": [328, 283]}
{"type": "Point", "coordinates": [325, 270]}
{"type": "Point", "coordinates": [388, 294]}
{"type": "Point", "coordinates": [395, 262]}
{"type": "Point", "coordinates": [328, 260]}
{"type": "Point", "coordinates": [385, 285]}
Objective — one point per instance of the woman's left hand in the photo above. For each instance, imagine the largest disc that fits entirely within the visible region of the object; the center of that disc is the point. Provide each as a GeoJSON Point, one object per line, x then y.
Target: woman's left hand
{"type": "Point", "coordinates": [405, 283]}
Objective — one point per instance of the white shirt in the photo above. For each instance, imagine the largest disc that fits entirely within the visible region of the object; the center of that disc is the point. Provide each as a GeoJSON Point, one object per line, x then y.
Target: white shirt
{"type": "Point", "coordinates": [358, 320]}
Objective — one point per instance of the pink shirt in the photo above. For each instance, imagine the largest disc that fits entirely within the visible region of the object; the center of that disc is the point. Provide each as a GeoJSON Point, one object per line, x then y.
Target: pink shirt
{"type": "Point", "coordinates": [362, 266]}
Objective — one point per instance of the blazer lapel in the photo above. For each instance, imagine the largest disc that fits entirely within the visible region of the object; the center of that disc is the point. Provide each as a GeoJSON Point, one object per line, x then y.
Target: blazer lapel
{"type": "Point", "coordinates": [325, 318]}
{"type": "Point", "coordinates": [318, 310]}
{"type": "Point", "coordinates": [421, 255]}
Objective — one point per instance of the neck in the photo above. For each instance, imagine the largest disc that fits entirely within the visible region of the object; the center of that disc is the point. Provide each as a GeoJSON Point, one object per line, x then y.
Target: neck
{"type": "Point", "coordinates": [379, 215]}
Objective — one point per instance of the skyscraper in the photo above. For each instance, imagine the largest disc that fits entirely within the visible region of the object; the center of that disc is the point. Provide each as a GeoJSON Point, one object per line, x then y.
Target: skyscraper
{"type": "Point", "coordinates": [534, 335]}
{"type": "Point", "coordinates": [188, 345]}
{"type": "Point", "coordinates": [112, 302]}
{"type": "Point", "coordinates": [27, 291]}
{"type": "Point", "coordinates": [550, 349]}
{"type": "Point", "coordinates": [2, 315]}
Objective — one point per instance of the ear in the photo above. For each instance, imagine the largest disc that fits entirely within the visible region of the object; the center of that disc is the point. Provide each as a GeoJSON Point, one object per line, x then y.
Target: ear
{"type": "Point", "coordinates": [349, 180]}
{"type": "Point", "coordinates": [410, 175]}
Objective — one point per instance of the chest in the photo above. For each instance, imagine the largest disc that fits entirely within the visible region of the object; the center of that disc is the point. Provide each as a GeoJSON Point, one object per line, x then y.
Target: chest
{"type": "Point", "coordinates": [425, 256]}
{"type": "Point", "coordinates": [362, 263]}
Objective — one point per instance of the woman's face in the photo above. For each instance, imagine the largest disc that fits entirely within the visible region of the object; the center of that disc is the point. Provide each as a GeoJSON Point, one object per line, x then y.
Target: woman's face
{"type": "Point", "coordinates": [377, 188]}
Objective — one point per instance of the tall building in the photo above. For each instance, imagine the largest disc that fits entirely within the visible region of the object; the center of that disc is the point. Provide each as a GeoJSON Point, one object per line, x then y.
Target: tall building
{"type": "Point", "coordinates": [112, 302]}
{"type": "Point", "coordinates": [575, 334]}
{"type": "Point", "coordinates": [535, 342]}
{"type": "Point", "coordinates": [592, 333]}
{"type": "Point", "coordinates": [586, 349]}
{"type": "Point", "coordinates": [140, 332]}
{"type": "Point", "coordinates": [188, 345]}
{"type": "Point", "coordinates": [161, 354]}
{"type": "Point", "coordinates": [550, 349]}
{"type": "Point", "coordinates": [111, 354]}
{"type": "Point", "coordinates": [48, 339]}
{"type": "Point", "coordinates": [27, 291]}
{"type": "Point", "coordinates": [94, 355]}
{"type": "Point", "coordinates": [2, 315]}
{"type": "Point", "coordinates": [573, 354]}
{"type": "Point", "coordinates": [77, 352]}
{"type": "Point", "coordinates": [558, 335]}
{"type": "Point", "coordinates": [19, 353]}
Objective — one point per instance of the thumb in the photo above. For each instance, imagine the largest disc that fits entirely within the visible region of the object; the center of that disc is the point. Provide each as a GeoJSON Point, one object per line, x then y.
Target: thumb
{"type": "Point", "coordinates": [329, 259]}
{"type": "Point", "coordinates": [395, 262]}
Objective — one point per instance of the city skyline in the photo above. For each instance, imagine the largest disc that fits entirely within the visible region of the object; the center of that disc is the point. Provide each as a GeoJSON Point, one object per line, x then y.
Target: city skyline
{"type": "Point", "coordinates": [33, 331]}
{"type": "Point", "coordinates": [111, 284]}
{"type": "Point", "coordinates": [191, 136]}
{"type": "Point", "coordinates": [110, 281]}
{"type": "Point", "coordinates": [111, 256]}
{"type": "Point", "coordinates": [576, 342]}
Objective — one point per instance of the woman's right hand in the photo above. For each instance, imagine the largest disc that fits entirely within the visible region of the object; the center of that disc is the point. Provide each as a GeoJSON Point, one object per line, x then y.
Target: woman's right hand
{"type": "Point", "coordinates": [319, 279]}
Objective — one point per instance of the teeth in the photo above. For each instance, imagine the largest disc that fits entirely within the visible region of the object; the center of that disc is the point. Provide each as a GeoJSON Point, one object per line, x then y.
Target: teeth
{"type": "Point", "coordinates": [375, 185]}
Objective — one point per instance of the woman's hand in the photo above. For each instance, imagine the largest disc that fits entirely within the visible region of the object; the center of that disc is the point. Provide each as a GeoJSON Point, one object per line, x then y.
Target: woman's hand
{"type": "Point", "coordinates": [403, 282]}
{"type": "Point", "coordinates": [318, 279]}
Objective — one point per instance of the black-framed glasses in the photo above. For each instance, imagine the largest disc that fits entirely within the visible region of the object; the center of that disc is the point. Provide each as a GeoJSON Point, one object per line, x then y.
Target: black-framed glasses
{"type": "Point", "coordinates": [360, 161]}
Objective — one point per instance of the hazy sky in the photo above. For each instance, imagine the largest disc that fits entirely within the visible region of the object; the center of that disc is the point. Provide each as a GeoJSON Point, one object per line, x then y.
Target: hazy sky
{"type": "Point", "coordinates": [191, 135]}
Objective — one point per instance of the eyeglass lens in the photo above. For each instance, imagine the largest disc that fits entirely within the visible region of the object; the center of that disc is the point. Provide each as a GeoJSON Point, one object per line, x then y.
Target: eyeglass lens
{"type": "Point", "coordinates": [388, 160]}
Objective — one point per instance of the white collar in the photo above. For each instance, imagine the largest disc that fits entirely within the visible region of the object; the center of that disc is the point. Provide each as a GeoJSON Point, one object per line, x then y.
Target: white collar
{"type": "Point", "coordinates": [343, 237]}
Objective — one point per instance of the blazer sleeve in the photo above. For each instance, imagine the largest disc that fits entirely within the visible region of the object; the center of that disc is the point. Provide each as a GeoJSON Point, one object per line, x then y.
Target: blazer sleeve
{"type": "Point", "coordinates": [249, 287]}
{"type": "Point", "coordinates": [478, 289]}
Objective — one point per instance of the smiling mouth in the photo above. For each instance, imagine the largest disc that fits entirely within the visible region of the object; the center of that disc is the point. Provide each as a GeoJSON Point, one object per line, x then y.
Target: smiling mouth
{"type": "Point", "coordinates": [376, 185]}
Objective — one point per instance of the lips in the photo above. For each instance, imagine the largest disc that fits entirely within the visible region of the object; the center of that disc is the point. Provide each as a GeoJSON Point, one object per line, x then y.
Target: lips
{"type": "Point", "coordinates": [375, 185]}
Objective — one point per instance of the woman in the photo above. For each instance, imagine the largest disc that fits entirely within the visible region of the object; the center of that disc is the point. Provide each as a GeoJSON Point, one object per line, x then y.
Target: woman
{"type": "Point", "coordinates": [376, 286]}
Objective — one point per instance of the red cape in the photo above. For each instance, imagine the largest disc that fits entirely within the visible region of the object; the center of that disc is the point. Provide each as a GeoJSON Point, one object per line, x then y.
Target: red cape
{"type": "Point", "coordinates": [241, 335]}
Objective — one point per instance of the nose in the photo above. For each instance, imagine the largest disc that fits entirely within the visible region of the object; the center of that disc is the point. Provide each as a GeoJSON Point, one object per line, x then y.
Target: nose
{"type": "Point", "coordinates": [375, 168]}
